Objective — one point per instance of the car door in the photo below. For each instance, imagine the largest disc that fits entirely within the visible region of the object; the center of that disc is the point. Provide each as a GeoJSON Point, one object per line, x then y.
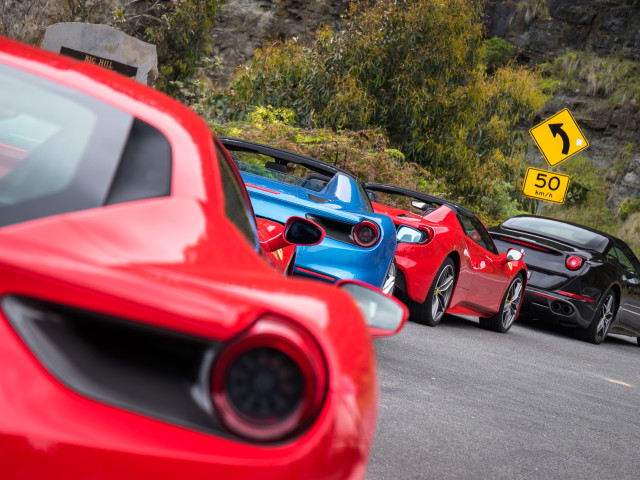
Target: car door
{"type": "Point", "coordinates": [489, 278]}
{"type": "Point", "coordinates": [629, 310]}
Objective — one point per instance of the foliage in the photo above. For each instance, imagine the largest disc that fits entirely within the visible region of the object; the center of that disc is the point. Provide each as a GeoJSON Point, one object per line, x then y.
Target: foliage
{"type": "Point", "coordinates": [182, 37]}
{"type": "Point", "coordinates": [499, 53]}
{"type": "Point", "coordinates": [533, 9]}
{"type": "Point", "coordinates": [578, 190]}
{"type": "Point", "coordinates": [610, 77]}
{"type": "Point", "coordinates": [627, 207]}
{"type": "Point", "coordinates": [363, 153]}
{"type": "Point", "coordinates": [414, 71]}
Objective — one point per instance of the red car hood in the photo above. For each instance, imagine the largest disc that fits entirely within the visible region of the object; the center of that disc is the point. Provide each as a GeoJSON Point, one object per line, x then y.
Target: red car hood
{"type": "Point", "coordinates": [197, 276]}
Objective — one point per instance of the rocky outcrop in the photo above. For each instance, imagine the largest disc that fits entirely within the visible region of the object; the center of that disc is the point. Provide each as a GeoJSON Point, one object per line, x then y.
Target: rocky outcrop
{"type": "Point", "coordinates": [26, 20]}
{"type": "Point", "coordinates": [242, 26]}
{"type": "Point", "coordinates": [541, 31]}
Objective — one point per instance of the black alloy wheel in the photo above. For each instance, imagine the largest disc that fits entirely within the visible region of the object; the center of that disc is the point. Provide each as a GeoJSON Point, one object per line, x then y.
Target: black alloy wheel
{"type": "Point", "coordinates": [435, 305]}
{"type": "Point", "coordinates": [599, 327]}
{"type": "Point", "coordinates": [501, 322]}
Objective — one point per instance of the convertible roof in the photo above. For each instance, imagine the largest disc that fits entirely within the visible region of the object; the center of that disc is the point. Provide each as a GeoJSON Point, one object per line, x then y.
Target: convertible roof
{"type": "Point", "coordinates": [283, 156]}
{"type": "Point", "coordinates": [385, 188]}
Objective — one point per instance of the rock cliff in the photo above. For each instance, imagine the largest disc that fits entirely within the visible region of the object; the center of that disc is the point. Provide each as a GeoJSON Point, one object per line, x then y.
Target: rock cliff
{"type": "Point", "coordinates": [541, 31]}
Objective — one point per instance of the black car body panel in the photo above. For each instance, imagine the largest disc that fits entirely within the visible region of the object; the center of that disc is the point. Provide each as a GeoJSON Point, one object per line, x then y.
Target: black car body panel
{"type": "Point", "coordinates": [572, 297]}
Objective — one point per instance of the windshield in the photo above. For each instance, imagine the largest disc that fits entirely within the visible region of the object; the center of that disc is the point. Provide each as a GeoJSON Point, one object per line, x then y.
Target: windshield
{"type": "Point", "coordinates": [560, 231]}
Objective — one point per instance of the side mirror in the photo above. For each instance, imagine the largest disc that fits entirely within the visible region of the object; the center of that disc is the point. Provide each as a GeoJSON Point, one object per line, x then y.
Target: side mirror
{"type": "Point", "coordinates": [633, 278]}
{"type": "Point", "coordinates": [419, 205]}
{"type": "Point", "coordinates": [513, 255]}
{"type": "Point", "coordinates": [407, 234]}
{"type": "Point", "coordinates": [297, 231]}
{"type": "Point", "coordinates": [384, 315]}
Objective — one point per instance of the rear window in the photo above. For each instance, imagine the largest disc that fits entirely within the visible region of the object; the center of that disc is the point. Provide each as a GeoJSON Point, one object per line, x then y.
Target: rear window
{"type": "Point", "coordinates": [286, 172]}
{"type": "Point", "coordinates": [560, 231]}
{"type": "Point", "coordinates": [58, 149]}
{"type": "Point", "coordinates": [62, 151]}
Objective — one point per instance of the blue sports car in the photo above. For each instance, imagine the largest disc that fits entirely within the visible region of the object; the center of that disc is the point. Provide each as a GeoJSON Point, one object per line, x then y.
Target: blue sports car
{"type": "Point", "coordinates": [359, 244]}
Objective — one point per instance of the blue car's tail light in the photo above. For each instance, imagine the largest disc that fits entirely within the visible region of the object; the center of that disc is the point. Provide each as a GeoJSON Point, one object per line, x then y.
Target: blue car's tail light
{"type": "Point", "coordinates": [366, 233]}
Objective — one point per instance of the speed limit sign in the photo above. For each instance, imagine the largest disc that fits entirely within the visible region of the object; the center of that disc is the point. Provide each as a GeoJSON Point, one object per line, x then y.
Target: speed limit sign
{"type": "Point", "coordinates": [545, 185]}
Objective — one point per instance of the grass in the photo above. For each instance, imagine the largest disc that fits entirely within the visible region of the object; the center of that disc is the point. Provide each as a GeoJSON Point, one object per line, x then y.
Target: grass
{"type": "Point", "coordinates": [613, 78]}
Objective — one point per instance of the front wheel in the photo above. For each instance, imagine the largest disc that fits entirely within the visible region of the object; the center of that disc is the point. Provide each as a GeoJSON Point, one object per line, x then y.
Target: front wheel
{"type": "Point", "coordinates": [501, 322]}
{"type": "Point", "coordinates": [599, 327]}
{"type": "Point", "coordinates": [435, 305]}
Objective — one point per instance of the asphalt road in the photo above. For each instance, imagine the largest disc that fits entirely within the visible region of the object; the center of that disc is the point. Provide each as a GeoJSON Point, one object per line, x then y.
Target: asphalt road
{"type": "Point", "coordinates": [460, 402]}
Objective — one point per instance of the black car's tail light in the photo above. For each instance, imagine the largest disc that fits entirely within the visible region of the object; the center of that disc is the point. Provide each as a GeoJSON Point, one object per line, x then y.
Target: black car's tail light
{"type": "Point", "coordinates": [365, 233]}
{"type": "Point", "coordinates": [574, 262]}
{"type": "Point", "coordinates": [270, 382]}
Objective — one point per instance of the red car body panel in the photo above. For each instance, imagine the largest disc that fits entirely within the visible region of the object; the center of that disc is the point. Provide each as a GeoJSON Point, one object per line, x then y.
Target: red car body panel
{"type": "Point", "coordinates": [282, 259]}
{"type": "Point", "coordinates": [175, 263]}
{"type": "Point", "coordinates": [482, 278]}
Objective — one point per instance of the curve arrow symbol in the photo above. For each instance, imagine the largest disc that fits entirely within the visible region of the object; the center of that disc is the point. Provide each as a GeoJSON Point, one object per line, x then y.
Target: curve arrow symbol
{"type": "Point", "coordinates": [556, 129]}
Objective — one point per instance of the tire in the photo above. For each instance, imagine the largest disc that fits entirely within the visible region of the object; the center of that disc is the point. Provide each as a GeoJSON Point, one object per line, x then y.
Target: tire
{"type": "Point", "coordinates": [389, 283]}
{"type": "Point", "coordinates": [638, 341]}
{"type": "Point", "coordinates": [601, 322]}
{"type": "Point", "coordinates": [435, 305]}
{"type": "Point", "coordinates": [509, 307]}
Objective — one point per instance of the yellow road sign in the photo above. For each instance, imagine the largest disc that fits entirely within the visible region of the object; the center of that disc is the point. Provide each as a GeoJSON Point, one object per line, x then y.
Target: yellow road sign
{"type": "Point", "coordinates": [559, 137]}
{"type": "Point", "coordinates": [545, 185]}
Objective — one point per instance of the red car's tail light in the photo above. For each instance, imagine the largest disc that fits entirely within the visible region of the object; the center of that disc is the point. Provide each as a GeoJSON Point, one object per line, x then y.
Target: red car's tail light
{"type": "Point", "coordinates": [365, 234]}
{"type": "Point", "coordinates": [428, 235]}
{"type": "Point", "coordinates": [574, 262]}
{"type": "Point", "coordinates": [270, 382]}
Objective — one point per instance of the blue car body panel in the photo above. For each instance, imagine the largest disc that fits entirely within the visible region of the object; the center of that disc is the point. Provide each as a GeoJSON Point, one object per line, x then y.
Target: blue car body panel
{"type": "Point", "coordinates": [340, 200]}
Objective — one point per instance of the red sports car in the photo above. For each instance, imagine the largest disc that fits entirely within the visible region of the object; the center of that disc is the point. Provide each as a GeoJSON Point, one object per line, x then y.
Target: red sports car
{"type": "Point", "coordinates": [448, 262]}
{"type": "Point", "coordinates": [141, 333]}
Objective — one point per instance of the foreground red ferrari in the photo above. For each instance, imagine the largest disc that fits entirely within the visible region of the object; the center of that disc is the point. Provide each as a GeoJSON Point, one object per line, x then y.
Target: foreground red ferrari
{"type": "Point", "coordinates": [141, 333]}
{"type": "Point", "coordinates": [448, 262]}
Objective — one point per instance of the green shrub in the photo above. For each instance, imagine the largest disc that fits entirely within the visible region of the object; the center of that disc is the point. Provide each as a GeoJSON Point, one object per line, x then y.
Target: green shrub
{"type": "Point", "coordinates": [578, 190]}
{"type": "Point", "coordinates": [182, 38]}
{"type": "Point", "coordinates": [415, 71]}
{"type": "Point", "coordinates": [363, 153]}
{"type": "Point", "coordinates": [628, 207]}
{"type": "Point", "coordinates": [499, 53]}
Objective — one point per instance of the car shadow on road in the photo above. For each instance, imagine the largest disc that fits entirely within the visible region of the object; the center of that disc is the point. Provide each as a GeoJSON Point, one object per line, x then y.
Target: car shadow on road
{"type": "Point", "coordinates": [568, 332]}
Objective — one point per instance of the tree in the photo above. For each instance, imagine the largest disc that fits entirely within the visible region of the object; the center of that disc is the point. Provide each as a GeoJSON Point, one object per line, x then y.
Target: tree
{"type": "Point", "coordinates": [416, 70]}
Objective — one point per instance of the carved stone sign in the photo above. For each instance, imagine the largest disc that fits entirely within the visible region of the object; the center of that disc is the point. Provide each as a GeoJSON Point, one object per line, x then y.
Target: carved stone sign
{"type": "Point", "coordinates": [104, 46]}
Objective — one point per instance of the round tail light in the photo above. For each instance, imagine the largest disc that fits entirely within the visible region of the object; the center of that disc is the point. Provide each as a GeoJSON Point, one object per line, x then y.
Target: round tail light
{"type": "Point", "coordinates": [270, 382]}
{"type": "Point", "coordinates": [574, 262]}
{"type": "Point", "coordinates": [365, 233]}
{"type": "Point", "coordinates": [428, 235]}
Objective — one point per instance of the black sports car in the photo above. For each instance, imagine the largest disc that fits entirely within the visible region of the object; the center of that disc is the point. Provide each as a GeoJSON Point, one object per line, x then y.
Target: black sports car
{"type": "Point", "coordinates": [578, 276]}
